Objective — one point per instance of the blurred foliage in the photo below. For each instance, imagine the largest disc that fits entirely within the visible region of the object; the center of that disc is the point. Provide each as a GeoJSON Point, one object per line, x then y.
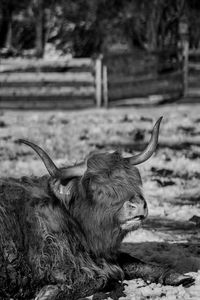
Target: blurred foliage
{"type": "Point", "coordinates": [193, 13]}
{"type": "Point", "coordinates": [88, 27]}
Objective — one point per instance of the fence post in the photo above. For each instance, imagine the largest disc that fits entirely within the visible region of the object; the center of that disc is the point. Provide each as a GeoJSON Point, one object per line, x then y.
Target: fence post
{"type": "Point", "coordinates": [183, 32]}
{"type": "Point", "coordinates": [105, 86]}
{"type": "Point", "coordinates": [98, 81]}
{"type": "Point", "coordinates": [185, 67]}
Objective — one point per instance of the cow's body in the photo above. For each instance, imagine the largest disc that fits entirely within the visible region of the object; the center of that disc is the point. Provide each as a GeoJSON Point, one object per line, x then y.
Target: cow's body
{"type": "Point", "coordinates": [41, 243]}
{"type": "Point", "coordinates": [61, 236]}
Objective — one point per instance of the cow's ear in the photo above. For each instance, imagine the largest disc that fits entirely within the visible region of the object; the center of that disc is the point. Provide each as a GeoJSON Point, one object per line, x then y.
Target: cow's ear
{"type": "Point", "coordinates": [61, 191]}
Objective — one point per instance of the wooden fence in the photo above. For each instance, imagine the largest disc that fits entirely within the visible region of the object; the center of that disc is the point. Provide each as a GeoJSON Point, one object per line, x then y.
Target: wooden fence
{"type": "Point", "coordinates": [142, 78]}
{"type": "Point", "coordinates": [115, 79]}
{"type": "Point", "coordinates": [191, 73]}
{"type": "Point", "coordinates": [49, 84]}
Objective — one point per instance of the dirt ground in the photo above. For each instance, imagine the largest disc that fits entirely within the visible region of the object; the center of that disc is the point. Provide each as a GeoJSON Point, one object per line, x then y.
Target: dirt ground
{"type": "Point", "coordinates": [171, 177]}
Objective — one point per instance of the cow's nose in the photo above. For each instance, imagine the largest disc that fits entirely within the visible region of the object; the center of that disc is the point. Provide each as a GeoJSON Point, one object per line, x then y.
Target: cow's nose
{"type": "Point", "coordinates": [139, 210]}
{"type": "Point", "coordinates": [145, 210]}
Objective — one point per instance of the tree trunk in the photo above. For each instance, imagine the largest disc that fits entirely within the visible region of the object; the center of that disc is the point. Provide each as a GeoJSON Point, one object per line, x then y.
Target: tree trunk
{"type": "Point", "coordinates": [39, 43]}
{"type": "Point", "coordinates": [6, 28]}
{"type": "Point", "coordinates": [152, 26]}
{"type": "Point", "coordinates": [8, 42]}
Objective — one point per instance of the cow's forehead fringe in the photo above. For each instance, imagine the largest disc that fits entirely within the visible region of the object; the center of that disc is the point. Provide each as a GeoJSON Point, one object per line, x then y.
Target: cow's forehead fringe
{"type": "Point", "coordinates": [106, 161]}
{"type": "Point", "coordinates": [111, 174]}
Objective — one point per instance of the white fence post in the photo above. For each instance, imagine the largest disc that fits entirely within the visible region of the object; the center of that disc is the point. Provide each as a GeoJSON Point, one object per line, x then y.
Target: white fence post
{"type": "Point", "coordinates": [98, 81]}
{"type": "Point", "coordinates": [185, 67]}
{"type": "Point", "coordinates": [105, 85]}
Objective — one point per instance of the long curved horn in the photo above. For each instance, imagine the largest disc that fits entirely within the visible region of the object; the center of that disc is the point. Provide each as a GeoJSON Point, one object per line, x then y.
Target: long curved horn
{"type": "Point", "coordinates": [150, 148]}
{"type": "Point", "coordinates": [63, 173]}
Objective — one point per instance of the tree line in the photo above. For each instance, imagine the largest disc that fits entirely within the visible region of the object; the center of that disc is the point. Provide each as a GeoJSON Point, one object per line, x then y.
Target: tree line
{"type": "Point", "coordinates": [88, 27]}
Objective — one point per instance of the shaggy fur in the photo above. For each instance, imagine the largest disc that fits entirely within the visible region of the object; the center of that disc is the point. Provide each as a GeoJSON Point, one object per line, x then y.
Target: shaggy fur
{"type": "Point", "coordinates": [66, 249]}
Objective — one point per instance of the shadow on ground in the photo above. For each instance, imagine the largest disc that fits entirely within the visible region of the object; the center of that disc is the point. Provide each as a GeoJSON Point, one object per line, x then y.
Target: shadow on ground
{"type": "Point", "coordinates": [183, 257]}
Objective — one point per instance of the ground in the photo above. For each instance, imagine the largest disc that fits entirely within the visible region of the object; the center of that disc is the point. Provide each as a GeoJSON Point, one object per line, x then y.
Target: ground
{"type": "Point", "coordinates": [171, 177]}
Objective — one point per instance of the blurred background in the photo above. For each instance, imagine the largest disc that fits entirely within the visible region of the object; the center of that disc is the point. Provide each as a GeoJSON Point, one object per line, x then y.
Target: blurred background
{"type": "Point", "coordinates": [98, 52]}
{"type": "Point", "coordinates": [85, 28]}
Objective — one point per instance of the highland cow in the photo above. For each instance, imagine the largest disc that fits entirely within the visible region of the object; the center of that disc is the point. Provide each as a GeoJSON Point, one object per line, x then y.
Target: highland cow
{"type": "Point", "coordinates": [61, 234]}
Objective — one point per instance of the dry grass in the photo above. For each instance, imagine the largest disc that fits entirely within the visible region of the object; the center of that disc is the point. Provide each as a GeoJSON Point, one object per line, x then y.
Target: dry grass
{"type": "Point", "coordinates": [171, 176]}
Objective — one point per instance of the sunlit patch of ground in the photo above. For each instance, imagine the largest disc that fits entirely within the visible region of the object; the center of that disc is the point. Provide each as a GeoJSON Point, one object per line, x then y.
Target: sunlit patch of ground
{"type": "Point", "coordinates": [171, 177]}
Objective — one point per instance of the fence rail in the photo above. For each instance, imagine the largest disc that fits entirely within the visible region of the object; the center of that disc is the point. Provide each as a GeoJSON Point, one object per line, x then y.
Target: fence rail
{"type": "Point", "coordinates": [151, 77]}
{"type": "Point", "coordinates": [118, 79]}
{"type": "Point", "coordinates": [47, 84]}
{"type": "Point", "coordinates": [191, 72]}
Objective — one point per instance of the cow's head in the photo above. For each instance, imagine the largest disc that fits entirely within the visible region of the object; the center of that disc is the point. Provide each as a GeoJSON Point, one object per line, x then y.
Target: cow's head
{"type": "Point", "coordinates": [105, 190]}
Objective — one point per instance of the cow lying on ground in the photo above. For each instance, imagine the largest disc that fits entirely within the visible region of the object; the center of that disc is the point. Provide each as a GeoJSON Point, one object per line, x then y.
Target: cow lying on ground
{"type": "Point", "coordinates": [61, 234]}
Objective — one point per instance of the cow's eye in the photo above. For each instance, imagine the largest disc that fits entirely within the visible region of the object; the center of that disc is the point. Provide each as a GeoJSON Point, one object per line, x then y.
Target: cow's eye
{"type": "Point", "coordinates": [131, 205]}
